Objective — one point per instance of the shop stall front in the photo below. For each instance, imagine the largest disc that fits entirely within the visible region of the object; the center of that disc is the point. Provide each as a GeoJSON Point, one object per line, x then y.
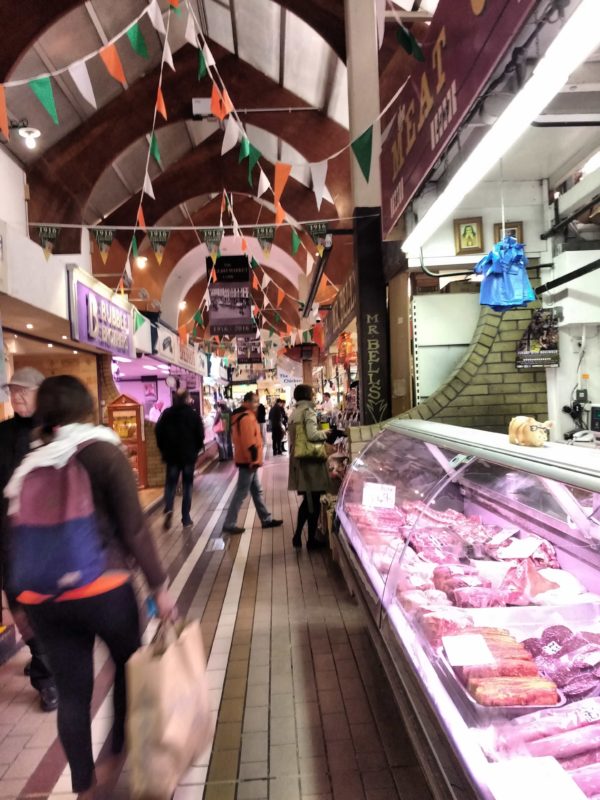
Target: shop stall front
{"type": "Point", "coordinates": [478, 563]}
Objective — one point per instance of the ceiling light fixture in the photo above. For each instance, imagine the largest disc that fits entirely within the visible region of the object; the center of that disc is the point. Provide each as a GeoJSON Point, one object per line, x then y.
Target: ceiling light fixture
{"type": "Point", "coordinates": [592, 164]}
{"type": "Point", "coordinates": [64, 337]}
{"type": "Point", "coordinates": [122, 359]}
{"type": "Point", "coordinates": [75, 352]}
{"type": "Point", "coordinates": [141, 262]}
{"type": "Point", "coordinates": [30, 135]}
{"type": "Point", "coordinates": [29, 326]}
{"type": "Point", "coordinates": [50, 345]}
{"type": "Point", "coordinates": [182, 305]}
{"type": "Point", "coordinates": [579, 36]}
{"type": "Point", "coordinates": [152, 369]}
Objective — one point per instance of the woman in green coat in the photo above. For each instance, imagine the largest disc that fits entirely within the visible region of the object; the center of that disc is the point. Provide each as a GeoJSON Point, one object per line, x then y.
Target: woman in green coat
{"type": "Point", "coordinates": [310, 478]}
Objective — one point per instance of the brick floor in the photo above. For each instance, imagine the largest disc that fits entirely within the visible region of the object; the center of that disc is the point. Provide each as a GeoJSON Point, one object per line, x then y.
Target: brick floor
{"type": "Point", "coordinates": [302, 707]}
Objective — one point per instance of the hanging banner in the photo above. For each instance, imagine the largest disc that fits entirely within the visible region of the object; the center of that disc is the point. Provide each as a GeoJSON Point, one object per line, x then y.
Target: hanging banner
{"type": "Point", "coordinates": [104, 238]}
{"type": "Point", "coordinates": [342, 311]}
{"type": "Point", "coordinates": [230, 310]}
{"type": "Point", "coordinates": [538, 347]}
{"type": "Point", "coordinates": [212, 238]}
{"type": "Point", "coordinates": [265, 235]}
{"type": "Point", "coordinates": [462, 47]}
{"type": "Point", "coordinates": [158, 240]}
{"type": "Point", "coordinates": [318, 232]}
{"type": "Point", "coordinates": [248, 350]}
{"type": "Point", "coordinates": [48, 234]}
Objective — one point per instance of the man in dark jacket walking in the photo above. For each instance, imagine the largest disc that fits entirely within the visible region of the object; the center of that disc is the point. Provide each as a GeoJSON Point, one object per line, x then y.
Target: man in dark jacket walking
{"type": "Point", "coordinates": [15, 436]}
{"type": "Point", "coordinates": [278, 419]}
{"type": "Point", "coordinates": [180, 437]}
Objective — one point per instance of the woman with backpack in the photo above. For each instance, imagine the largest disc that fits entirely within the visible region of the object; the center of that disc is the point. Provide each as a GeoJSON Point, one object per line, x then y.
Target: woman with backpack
{"type": "Point", "coordinates": [76, 526]}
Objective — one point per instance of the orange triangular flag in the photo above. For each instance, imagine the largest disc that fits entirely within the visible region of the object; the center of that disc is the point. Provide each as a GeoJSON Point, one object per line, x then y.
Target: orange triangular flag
{"type": "Point", "coordinates": [213, 275]}
{"type": "Point", "coordinates": [280, 297]}
{"type": "Point", "coordinates": [174, 3]}
{"type": "Point", "coordinates": [220, 104]}
{"type": "Point", "coordinates": [140, 218]}
{"type": "Point", "coordinates": [183, 334]}
{"type": "Point", "coordinates": [282, 173]}
{"type": "Point", "coordinates": [254, 281]}
{"type": "Point", "coordinates": [112, 62]}
{"type": "Point", "coordinates": [160, 103]}
{"type": "Point", "coordinates": [121, 287]}
{"type": "Point", "coordinates": [3, 113]}
{"type": "Point", "coordinates": [279, 213]}
{"type": "Point", "coordinates": [227, 104]}
{"type": "Point", "coordinates": [244, 245]}
{"type": "Point", "coordinates": [223, 203]}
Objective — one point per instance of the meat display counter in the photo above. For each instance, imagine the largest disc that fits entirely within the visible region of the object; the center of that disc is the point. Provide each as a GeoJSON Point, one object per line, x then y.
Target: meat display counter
{"type": "Point", "coordinates": [478, 562]}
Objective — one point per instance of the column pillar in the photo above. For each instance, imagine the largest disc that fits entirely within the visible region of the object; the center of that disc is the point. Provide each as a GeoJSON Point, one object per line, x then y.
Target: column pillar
{"type": "Point", "coordinates": [399, 314]}
{"type": "Point", "coordinates": [372, 318]}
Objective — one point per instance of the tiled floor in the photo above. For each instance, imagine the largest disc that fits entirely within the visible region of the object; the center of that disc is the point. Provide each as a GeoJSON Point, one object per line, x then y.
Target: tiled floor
{"type": "Point", "coordinates": [302, 707]}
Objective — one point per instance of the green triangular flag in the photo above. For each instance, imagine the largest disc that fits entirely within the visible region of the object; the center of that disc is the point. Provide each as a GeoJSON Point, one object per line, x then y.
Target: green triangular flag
{"type": "Point", "coordinates": [202, 69]}
{"type": "Point", "coordinates": [195, 331]}
{"type": "Point", "coordinates": [244, 149]}
{"type": "Point", "coordinates": [254, 263]}
{"type": "Point", "coordinates": [137, 41]}
{"type": "Point", "coordinates": [271, 331]}
{"type": "Point", "coordinates": [199, 318]}
{"type": "Point", "coordinates": [154, 151]}
{"type": "Point", "coordinates": [362, 148]}
{"type": "Point", "coordinates": [253, 157]}
{"type": "Point", "coordinates": [409, 43]}
{"type": "Point", "coordinates": [138, 320]}
{"type": "Point", "coordinates": [134, 248]}
{"type": "Point", "coordinates": [295, 242]}
{"type": "Point", "coordinates": [277, 318]}
{"type": "Point", "coordinates": [305, 336]}
{"type": "Point", "coordinates": [42, 89]}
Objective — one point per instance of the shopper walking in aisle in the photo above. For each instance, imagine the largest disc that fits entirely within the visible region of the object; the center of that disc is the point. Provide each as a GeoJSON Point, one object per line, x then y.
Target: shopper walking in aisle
{"type": "Point", "coordinates": [307, 476]}
{"type": "Point", "coordinates": [277, 418]}
{"type": "Point", "coordinates": [93, 533]}
{"type": "Point", "coordinates": [221, 428]}
{"type": "Point", "coordinates": [15, 437]}
{"type": "Point", "coordinates": [180, 437]}
{"type": "Point", "coordinates": [261, 416]}
{"type": "Point", "coordinates": [248, 452]}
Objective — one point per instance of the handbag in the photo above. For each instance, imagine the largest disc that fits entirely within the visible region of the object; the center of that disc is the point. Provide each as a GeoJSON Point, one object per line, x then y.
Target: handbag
{"type": "Point", "coordinates": [304, 449]}
{"type": "Point", "coordinates": [219, 426]}
{"type": "Point", "coordinates": [169, 723]}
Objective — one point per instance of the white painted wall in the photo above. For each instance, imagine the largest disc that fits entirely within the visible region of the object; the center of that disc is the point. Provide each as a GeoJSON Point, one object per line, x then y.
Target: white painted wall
{"type": "Point", "coordinates": [12, 193]}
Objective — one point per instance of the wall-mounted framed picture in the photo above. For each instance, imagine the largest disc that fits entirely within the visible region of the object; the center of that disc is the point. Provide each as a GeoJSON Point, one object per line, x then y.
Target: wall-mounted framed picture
{"type": "Point", "coordinates": [468, 236]}
{"type": "Point", "coordinates": [511, 229]}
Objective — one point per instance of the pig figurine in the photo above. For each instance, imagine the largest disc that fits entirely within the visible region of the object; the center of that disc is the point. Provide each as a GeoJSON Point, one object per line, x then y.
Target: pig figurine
{"type": "Point", "coordinates": [528, 431]}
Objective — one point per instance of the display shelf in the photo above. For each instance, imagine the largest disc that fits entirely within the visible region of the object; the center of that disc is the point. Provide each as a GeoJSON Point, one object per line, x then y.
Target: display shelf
{"type": "Point", "coordinates": [126, 418]}
{"type": "Point", "coordinates": [470, 550]}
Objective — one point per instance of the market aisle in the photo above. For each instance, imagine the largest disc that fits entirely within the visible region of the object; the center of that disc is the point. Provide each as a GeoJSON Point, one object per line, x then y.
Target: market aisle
{"type": "Point", "coordinates": [302, 705]}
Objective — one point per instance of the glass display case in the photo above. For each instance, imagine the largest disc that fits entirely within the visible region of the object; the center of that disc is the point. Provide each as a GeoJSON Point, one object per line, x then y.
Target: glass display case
{"type": "Point", "coordinates": [479, 563]}
{"type": "Point", "coordinates": [126, 418]}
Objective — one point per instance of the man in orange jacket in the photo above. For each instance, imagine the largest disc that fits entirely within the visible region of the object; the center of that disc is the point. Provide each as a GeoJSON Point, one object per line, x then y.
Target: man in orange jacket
{"type": "Point", "coordinates": [248, 453]}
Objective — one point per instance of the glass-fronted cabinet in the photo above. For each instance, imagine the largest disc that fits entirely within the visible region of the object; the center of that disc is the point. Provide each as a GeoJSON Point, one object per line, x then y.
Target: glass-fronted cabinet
{"type": "Point", "coordinates": [480, 564]}
{"type": "Point", "coordinates": [126, 418]}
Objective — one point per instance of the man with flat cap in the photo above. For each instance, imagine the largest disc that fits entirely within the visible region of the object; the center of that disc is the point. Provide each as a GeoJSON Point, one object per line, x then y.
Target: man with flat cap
{"type": "Point", "coordinates": [15, 438]}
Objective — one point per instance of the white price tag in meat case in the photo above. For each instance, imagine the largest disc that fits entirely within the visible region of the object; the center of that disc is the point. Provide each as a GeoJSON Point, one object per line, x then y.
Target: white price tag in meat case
{"type": "Point", "coordinates": [467, 650]}
{"type": "Point", "coordinates": [379, 495]}
{"type": "Point", "coordinates": [520, 548]}
{"type": "Point", "coordinates": [527, 778]}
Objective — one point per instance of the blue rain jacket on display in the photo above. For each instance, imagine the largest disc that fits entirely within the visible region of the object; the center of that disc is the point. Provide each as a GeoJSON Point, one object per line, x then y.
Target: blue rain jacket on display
{"type": "Point", "coordinates": [505, 282]}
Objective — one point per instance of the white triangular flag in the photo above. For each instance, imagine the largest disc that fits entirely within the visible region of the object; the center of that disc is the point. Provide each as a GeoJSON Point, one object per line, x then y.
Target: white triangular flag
{"type": "Point", "coordinates": [310, 262]}
{"type": "Point", "coordinates": [208, 56]}
{"type": "Point", "coordinates": [168, 55]}
{"type": "Point", "coordinates": [380, 11]}
{"type": "Point", "coordinates": [232, 135]}
{"type": "Point", "coordinates": [318, 172]}
{"type": "Point", "coordinates": [258, 333]}
{"type": "Point", "coordinates": [263, 184]}
{"type": "Point", "coordinates": [191, 32]}
{"type": "Point", "coordinates": [81, 78]}
{"type": "Point", "coordinates": [148, 189]}
{"type": "Point", "coordinates": [236, 230]}
{"type": "Point", "coordinates": [265, 281]}
{"type": "Point", "coordinates": [267, 302]}
{"type": "Point", "coordinates": [156, 17]}
{"type": "Point", "coordinates": [327, 196]}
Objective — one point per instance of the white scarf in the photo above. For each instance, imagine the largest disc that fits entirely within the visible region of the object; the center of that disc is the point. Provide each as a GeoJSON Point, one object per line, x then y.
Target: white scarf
{"type": "Point", "coordinates": [56, 454]}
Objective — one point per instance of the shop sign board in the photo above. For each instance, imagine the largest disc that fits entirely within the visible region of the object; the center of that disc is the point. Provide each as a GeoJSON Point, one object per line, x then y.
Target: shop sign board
{"type": "Point", "coordinates": [462, 47]}
{"type": "Point", "coordinates": [287, 378]}
{"type": "Point", "coordinates": [201, 363]}
{"type": "Point", "coordinates": [342, 312]}
{"type": "Point", "coordinates": [187, 356]}
{"type": "Point", "coordinates": [230, 311]}
{"type": "Point", "coordinates": [100, 322]}
{"type": "Point", "coordinates": [167, 344]}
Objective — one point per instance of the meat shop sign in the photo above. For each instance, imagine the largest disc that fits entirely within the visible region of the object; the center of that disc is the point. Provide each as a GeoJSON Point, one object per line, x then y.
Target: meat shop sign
{"type": "Point", "coordinates": [462, 47]}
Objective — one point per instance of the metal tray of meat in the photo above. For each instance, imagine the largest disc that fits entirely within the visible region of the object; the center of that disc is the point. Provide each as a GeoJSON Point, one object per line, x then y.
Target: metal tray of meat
{"type": "Point", "coordinates": [526, 621]}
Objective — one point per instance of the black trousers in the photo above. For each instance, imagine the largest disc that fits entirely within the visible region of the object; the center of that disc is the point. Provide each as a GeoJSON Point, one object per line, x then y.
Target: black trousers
{"type": "Point", "coordinates": [68, 631]}
{"type": "Point", "coordinates": [40, 674]}
{"type": "Point", "coordinates": [309, 511]}
{"type": "Point", "coordinates": [277, 440]}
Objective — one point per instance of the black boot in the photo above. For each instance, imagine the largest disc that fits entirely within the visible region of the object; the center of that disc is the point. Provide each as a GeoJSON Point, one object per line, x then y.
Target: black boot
{"type": "Point", "coordinates": [297, 541]}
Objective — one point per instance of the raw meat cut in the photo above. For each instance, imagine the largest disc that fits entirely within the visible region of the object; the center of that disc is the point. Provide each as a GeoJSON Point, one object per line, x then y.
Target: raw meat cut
{"type": "Point", "coordinates": [543, 724]}
{"type": "Point", "coordinates": [513, 691]}
{"type": "Point", "coordinates": [505, 668]}
{"type": "Point", "coordinates": [568, 743]}
{"type": "Point", "coordinates": [588, 779]}
{"type": "Point", "coordinates": [583, 760]}
{"type": "Point", "coordinates": [445, 622]}
{"type": "Point", "coordinates": [476, 597]}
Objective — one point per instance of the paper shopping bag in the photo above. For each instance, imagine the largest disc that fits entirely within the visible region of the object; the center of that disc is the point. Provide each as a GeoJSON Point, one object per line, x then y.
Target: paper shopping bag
{"type": "Point", "coordinates": [169, 724]}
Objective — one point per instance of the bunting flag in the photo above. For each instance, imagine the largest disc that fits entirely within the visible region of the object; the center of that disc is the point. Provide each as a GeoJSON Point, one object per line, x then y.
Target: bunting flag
{"type": "Point", "coordinates": [199, 318]}
{"type": "Point", "coordinates": [255, 284]}
{"type": "Point", "coordinates": [408, 42]}
{"type": "Point", "coordinates": [138, 320]}
{"type": "Point", "coordinates": [140, 218]}
{"type": "Point", "coordinates": [191, 32]}
{"type": "Point", "coordinates": [134, 246]}
{"type": "Point", "coordinates": [380, 12]}
{"type": "Point", "coordinates": [279, 214]}
{"type": "Point", "coordinates": [156, 17]}
{"type": "Point", "coordinates": [280, 297]}
{"type": "Point", "coordinates": [253, 157]}
{"type": "Point", "coordinates": [213, 275]}
{"type": "Point", "coordinates": [263, 184]}
{"type": "Point", "coordinates": [220, 104]}
{"type": "Point", "coordinates": [362, 148]}
{"type": "Point", "coordinates": [168, 55]}
{"type": "Point", "coordinates": [202, 69]}
{"type": "Point", "coordinates": [265, 234]}
{"type": "Point", "coordinates": [42, 89]}
{"type": "Point", "coordinates": [48, 235]}
{"type": "Point", "coordinates": [232, 135]}
{"type": "Point", "coordinates": [318, 173]}
{"type": "Point", "coordinates": [183, 334]}
{"type": "Point", "coordinates": [154, 151]}
{"type": "Point", "coordinates": [148, 188]}
{"type": "Point", "coordinates": [112, 62]}
{"type": "Point", "coordinates": [137, 41]}
{"type": "Point", "coordinates": [244, 149]}
{"type": "Point", "coordinates": [3, 114]}
{"type": "Point", "coordinates": [208, 56]}
{"type": "Point", "coordinates": [254, 263]}
{"type": "Point", "coordinates": [295, 242]}
{"type": "Point", "coordinates": [320, 250]}
{"type": "Point", "coordinates": [282, 173]}
{"type": "Point", "coordinates": [310, 262]}
{"type": "Point", "coordinates": [265, 281]}
{"type": "Point", "coordinates": [104, 238]}
{"type": "Point", "coordinates": [160, 103]}
{"type": "Point", "coordinates": [158, 240]}
{"type": "Point", "coordinates": [81, 78]}
{"type": "Point", "coordinates": [121, 287]}
{"type": "Point", "coordinates": [244, 244]}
